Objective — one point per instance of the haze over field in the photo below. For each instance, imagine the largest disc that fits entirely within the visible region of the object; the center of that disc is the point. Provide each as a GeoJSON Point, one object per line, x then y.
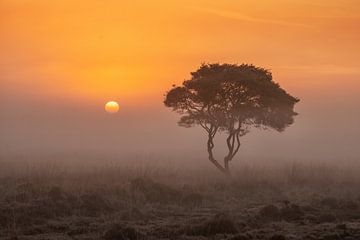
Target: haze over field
{"type": "Point", "coordinates": [262, 143]}
{"type": "Point", "coordinates": [62, 61]}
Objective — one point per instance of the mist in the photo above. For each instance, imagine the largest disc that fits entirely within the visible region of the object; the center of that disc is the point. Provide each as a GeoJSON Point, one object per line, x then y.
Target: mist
{"type": "Point", "coordinates": [70, 169]}
{"type": "Point", "coordinates": [326, 129]}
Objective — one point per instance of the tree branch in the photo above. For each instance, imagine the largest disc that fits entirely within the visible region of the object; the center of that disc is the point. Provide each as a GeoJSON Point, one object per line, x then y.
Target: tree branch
{"type": "Point", "coordinates": [237, 145]}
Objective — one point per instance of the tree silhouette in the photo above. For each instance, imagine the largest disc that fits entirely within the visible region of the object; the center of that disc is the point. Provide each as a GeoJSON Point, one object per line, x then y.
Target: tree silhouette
{"type": "Point", "coordinates": [231, 98]}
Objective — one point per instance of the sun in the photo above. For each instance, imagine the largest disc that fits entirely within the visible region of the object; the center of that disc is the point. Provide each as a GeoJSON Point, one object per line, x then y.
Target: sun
{"type": "Point", "coordinates": [112, 107]}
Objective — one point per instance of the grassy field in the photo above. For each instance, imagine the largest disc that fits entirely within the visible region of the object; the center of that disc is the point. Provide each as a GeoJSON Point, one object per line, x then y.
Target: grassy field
{"type": "Point", "coordinates": [112, 202]}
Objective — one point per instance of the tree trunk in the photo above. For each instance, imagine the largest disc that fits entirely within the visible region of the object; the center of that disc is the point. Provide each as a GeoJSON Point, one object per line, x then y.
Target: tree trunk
{"type": "Point", "coordinates": [210, 146]}
{"type": "Point", "coordinates": [226, 165]}
{"type": "Point", "coordinates": [233, 143]}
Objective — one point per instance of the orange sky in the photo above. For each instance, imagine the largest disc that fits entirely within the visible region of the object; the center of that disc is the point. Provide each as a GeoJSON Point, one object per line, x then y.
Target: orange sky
{"type": "Point", "coordinates": [134, 50]}
{"type": "Point", "coordinates": [60, 61]}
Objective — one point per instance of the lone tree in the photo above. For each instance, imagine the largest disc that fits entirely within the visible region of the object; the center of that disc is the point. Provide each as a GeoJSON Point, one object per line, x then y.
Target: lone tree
{"type": "Point", "coordinates": [231, 98]}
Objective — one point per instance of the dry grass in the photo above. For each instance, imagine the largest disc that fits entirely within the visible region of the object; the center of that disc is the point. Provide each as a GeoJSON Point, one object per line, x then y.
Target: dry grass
{"type": "Point", "coordinates": [286, 201]}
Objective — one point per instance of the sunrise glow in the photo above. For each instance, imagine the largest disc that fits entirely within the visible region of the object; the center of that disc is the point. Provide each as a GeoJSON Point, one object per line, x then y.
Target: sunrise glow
{"type": "Point", "coordinates": [95, 49]}
{"type": "Point", "coordinates": [112, 107]}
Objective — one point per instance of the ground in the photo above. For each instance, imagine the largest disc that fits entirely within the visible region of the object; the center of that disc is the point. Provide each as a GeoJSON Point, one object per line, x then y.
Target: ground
{"type": "Point", "coordinates": [113, 206]}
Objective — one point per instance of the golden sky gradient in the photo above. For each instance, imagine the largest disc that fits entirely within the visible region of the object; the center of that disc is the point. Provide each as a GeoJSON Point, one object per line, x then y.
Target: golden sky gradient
{"type": "Point", "coordinates": [134, 50]}
{"type": "Point", "coordinates": [61, 61]}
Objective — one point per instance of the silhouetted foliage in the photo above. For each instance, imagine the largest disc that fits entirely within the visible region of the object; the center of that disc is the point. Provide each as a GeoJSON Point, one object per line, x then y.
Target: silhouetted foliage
{"type": "Point", "coordinates": [231, 98]}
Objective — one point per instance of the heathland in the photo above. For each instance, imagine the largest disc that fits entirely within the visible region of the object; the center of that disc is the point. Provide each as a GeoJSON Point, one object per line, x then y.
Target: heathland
{"type": "Point", "coordinates": [57, 199]}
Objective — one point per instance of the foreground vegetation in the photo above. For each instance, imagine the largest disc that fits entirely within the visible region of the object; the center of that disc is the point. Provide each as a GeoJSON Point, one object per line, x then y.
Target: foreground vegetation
{"type": "Point", "coordinates": [114, 203]}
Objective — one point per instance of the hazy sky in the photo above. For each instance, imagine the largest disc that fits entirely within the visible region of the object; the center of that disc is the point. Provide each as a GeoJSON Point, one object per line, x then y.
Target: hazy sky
{"type": "Point", "coordinates": [61, 61]}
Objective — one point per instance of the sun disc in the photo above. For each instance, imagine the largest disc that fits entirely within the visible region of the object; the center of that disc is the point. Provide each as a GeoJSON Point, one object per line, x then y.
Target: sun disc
{"type": "Point", "coordinates": [112, 107]}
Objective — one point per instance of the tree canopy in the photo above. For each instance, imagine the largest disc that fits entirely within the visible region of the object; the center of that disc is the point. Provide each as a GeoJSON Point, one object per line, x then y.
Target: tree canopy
{"type": "Point", "coordinates": [231, 98]}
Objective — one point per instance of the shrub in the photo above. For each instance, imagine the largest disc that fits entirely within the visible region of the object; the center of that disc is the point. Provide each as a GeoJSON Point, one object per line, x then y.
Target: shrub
{"type": "Point", "coordinates": [291, 212]}
{"type": "Point", "coordinates": [153, 191]}
{"type": "Point", "coordinates": [93, 203]}
{"type": "Point", "coordinates": [220, 223]}
{"type": "Point", "coordinates": [240, 237]}
{"type": "Point", "coordinates": [327, 217]}
{"type": "Point", "coordinates": [56, 194]}
{"type": "Point", "coordinates": [192, 199]}
{"type": "Point", "coordinates": [277, 237]}
{"type": "Point", "coordinates": [270, 212]}
{"type": "Point", "coordinates": [350, 205]}
{"type": "Point", "coordinates": [330, 202]}
{"type": "Point", "coordinates": [120, 232]}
